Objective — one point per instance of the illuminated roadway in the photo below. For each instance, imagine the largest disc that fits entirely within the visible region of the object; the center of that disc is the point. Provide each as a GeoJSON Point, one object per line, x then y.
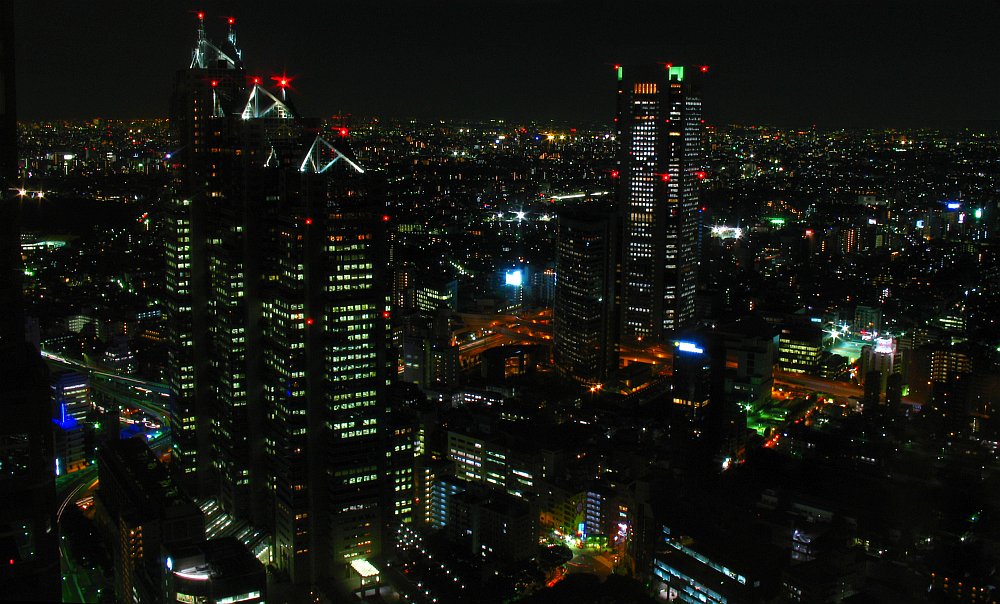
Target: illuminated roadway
{"type": "Point", "coordinates": [150, 397]}
{"type": "Point", "coordinates": [835, 388]}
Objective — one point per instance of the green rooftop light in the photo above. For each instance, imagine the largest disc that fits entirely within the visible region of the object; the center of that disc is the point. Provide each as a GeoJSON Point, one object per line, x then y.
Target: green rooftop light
{"type": "Point", "coordinates": [778, 221]}
{"type": "Point", "coordinates": [676, 73]}
{"type": "Point", "coordinates": [620, 72]}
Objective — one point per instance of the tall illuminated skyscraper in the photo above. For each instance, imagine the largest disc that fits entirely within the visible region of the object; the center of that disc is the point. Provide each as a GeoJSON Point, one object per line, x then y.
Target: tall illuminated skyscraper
{"type": "Point", "coordinates": [279, 316]}
{"type": "Point", "coordinates": [660, 166]}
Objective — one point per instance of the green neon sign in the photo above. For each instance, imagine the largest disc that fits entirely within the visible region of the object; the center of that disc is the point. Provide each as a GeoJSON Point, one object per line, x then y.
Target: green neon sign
{"type": "Point", "coordinates": [620, 71]}
{"type": "Point", "coordinates": [676, 73]}
{"type": "Point", "coordinates": [776, 220]}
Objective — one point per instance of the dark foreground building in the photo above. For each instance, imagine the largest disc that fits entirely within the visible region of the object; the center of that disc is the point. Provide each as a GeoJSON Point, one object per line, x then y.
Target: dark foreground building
{"type": "Point", "coordinates": [28, 532]}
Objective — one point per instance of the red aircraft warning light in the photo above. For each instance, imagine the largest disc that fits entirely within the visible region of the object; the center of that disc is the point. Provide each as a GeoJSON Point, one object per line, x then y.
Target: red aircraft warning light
{"type": "Point", "coordinates": [386, 314]}
{"type": "Point", "coordinates": [201, 16]}
{"type": "Point", "coordinates": [309, 321]}
{"type": "Point", "coordinates": [385, 218]}
{"type": "Point", "coordinates": [614, 174]}
{"type": "Point", "coordinates": [309, 221]}
{"type": "Point", "coordinates": [231, 20]}
{"type": "Point", "coordinates": [665, 177]}
{"type": "Point", "coordinates": [700, 174]}
{"type": "Point", "coordinates": [215, 83]}
{"type": "Point", "coordinates": [255, 80]}
{"type": "Point", "coordinates": [704, 68]}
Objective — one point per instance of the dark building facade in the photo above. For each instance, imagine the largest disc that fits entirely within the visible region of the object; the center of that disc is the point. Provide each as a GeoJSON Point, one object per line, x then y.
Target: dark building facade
{"type": "Point", "coordinates": [583, 311]}
{"type": "Point", "coordinates": [142, 511]}
{"type": "Point", "coordinates": [28, 532]}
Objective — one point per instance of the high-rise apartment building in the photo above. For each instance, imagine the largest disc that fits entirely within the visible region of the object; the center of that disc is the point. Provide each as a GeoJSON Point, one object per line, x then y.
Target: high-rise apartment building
{"type": "Point", "coordinates": [279, 317]}
{"type": "Point", "coordinates": [660, 165]}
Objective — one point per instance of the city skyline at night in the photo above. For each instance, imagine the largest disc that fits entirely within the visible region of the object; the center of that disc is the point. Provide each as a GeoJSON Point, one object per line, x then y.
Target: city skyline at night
{"type": "Point", "coordinates": [499, 303]}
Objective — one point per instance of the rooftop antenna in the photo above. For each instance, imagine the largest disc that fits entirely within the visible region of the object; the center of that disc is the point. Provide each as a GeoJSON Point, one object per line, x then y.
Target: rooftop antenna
{"type": "Point", "coordinates": [198, 57]}
{"type": "Point", "coordinates": [232, 36]}
{"type": "Point", "coordinates": [284, 83]}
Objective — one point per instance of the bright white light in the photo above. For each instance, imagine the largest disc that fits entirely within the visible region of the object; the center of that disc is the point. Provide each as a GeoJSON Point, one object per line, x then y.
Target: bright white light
{"type": "Point", "coordinates": [726, 232]}
{"type": "Point", "coordinates": [364, 568]}
{"type": "Point", "coordinates": [689, 347]}
{"type": "Point", "coordinates": [520, 215]}
{"type": "Point", "coordinates": [885, 346]}
{"type": "Point", "coordinates": [513, 278]}
{"type": "Point", "coordinates": [193, 574]}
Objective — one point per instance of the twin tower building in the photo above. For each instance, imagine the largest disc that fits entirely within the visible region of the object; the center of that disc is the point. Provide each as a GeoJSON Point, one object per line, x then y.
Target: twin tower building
{"type": "Point", "coordinates": [278, 313]}
{"type": "Point", "coordinates": [627, 274]}
{"type": "Point", "coordinates": [278, 317]}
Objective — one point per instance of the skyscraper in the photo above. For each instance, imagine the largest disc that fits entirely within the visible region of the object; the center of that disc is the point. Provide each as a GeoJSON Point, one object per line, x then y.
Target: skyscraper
{"type": "Point", "coordinates": [660, 165]}
{"type": "Point", "coordinates": [278, 316]}
{"type": "Point", "coordinates": [583, 313]}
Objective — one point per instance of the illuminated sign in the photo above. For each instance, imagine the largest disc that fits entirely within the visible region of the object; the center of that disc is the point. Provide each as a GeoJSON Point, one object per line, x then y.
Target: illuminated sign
{"type": "Point", "coordinates": [725, 232]}
{"type": "Point", "coordinates": [689, 347]}
{"type": "Point", "coordinates": [920, 224]}
{"type": "Point", "coordinates": [954, 205]}
{"type": "Point", "coordinates": [513, 278]}
{"type": "Point", "coordinates": [885, 346]}
{"type": "Point", "coordinates": [978, 213]}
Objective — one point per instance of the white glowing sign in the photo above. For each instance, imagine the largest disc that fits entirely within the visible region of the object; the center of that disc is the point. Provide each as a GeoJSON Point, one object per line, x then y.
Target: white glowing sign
{"type": "Point", "coordinates": [689, 347]}
{"type": "Point", "coordinates": [885, 346]}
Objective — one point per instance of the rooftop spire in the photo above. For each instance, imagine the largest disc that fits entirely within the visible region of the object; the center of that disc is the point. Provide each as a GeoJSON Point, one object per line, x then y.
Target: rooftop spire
{"type": "Point", "coordinates": [232, 36]}
{"type": "Point", "coordinates": [207, 55]}
{"type": "Point", "coordinates": [198, 57]}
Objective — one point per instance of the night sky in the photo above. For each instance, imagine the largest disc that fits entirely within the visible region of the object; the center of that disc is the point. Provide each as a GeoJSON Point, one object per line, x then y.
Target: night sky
{"type": "Point", "coordinates": [832, 64]}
